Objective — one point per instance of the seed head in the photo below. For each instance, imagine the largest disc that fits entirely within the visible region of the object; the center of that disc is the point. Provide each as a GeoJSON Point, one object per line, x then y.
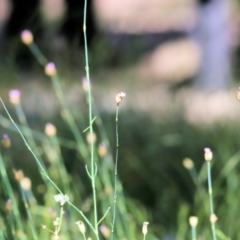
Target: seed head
{"type": "Point", "coordinates": [50, 130]}
{"type": "Point", "coordinates": [91, 137]}
{"type": "Point", "coordinates": [50, 69]}
{"type": "Point", "coordinates": [85, 84]}
{"type": "Point", "coordinates": [81, 226]}
{"type": "Point", "coordinates": [193, 221]}
{"type": "Point", "coordinates": [208, 154]}
{"type": "Point", "coordinates": [102, 150]}
{"type": "Point", "coordinates": [14, 96]}
{"type": "Point", "coordinates": [18, 174]}
{"type": "Point", "coordinates": [62, 199]}
{"type": "Point", "coordinates": [213, 218]}
{"type": "Point", "coordinates": [8, 205]}
{"type": "Point", "coordinates": [6, 142]}
{"type": "Point", "coordinates": [26, 183]}
{"type": "Point", "coordinates": [105, 231]}
{"type": "Point", "coordinates": [188, 163]}
{"type": "Point", "coordinates": [145, 228]}
{"type": "Point", "coordinates": [120, 96]}
{"type": "Point", "coordinates": [27, 37]}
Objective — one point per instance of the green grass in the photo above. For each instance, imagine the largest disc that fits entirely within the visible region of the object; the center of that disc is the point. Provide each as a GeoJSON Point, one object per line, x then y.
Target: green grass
{"type": "Point", "coordinates": [114, 172]}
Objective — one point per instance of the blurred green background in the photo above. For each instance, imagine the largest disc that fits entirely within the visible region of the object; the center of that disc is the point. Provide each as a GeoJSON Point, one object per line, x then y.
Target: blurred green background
{"type": "Point", "coordinates": [178, 64]}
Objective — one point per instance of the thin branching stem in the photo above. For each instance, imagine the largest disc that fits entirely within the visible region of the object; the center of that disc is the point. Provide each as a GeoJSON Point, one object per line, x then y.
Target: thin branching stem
{"type": "Point", "coordinates": [93, 172]}
{"type": "Point", "coordinates": [41, 167]}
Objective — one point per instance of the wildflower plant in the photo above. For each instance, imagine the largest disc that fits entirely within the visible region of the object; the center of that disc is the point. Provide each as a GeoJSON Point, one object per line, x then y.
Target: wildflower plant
{"type": "Point", "coordinates": [95, 223]}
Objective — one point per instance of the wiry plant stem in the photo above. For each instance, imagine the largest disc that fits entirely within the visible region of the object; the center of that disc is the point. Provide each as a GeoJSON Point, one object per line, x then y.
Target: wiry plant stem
{"type": "Point", "coordinates": [93, 174]}
{"type": "Point", "coordinates": [115, 176]}
{"type": "Point", "coordinates": [211, 199]}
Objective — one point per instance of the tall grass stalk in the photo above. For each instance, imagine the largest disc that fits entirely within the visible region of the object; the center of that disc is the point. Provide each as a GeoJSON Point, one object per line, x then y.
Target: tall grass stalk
{"type": "Point", "coordinates": [115, 176]}
{"type": "Point", "coordinates": [9, 191]}
{"type": "Point", "coordinates": [213, 218]}
{"type": "Point", "coordinates": [193, 223]}
{"type": "Point", "coordinates": [43, 170]}
{"type": "Point", "coordinates": [93, 166]}
{"type": "Point", "coordinates": [118, 100]}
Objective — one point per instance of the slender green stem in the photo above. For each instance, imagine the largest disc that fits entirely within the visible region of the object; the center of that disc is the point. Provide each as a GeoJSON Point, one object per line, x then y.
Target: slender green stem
{"type": "Point", "coordinates": [9, 191]}
{"type": "Point", "coordinates": [68, 116]}
{"type": "Point", "coordinates": [43, 171]}
{"type": "Point", "coordinates": [194, 233]}
{"type": "Point", "coordinates": [90, 120]}
{"type": "Point", "coordinates": [115, 176]}
{"type": "Point", "coordinates": [26, 205]}
{"type": "Point", "coordinates": [29, 148]}
{"type": "Point", "coordinates": [37, 53]}
{"type": "Point", "coordinates": [211, 199]}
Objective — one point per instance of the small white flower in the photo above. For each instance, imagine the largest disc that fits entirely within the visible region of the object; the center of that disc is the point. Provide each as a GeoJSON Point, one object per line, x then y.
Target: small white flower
{"type": "Point", "coordinates": [145, 228]}
{"type": "Point", "coordinates": [62, 199]}
{"type": "Point", "coordinates": [119, 97]}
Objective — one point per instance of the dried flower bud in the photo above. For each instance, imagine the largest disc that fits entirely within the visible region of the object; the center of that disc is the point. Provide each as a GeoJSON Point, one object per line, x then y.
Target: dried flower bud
{"type": "Point", "coordinates": [193, 221]}
{"type": "Point", "coordinates": [50, 69]}
{"type": "Point", "coordinates": [6, 142]}
{"type": "Point", "coordinates": [8, 205]}
{"type": "Point", "coordinates": [238, 94]}
{"type": "Point", "coordinates": [81, 226]}
{"type": "Point", "coordinates": [91, 137]}
{"type": "Point", "coordinates": [188, 163]}
{"type": "Point", "coordinates": [50, 130]}
{"type": "Point", "coordinates": [119, 97]}
{"type": "Point", "coordinates": [102, 150]}
{"type": "Point", "coordinates": [145, 228]}
{"type": "Point", "coordinates": [85, 84]}
{"type": "Point", "coordinates": [18, 174]}
{"type": "Point", "coordinates": [27, 37]}
{"type": "Point", "coordinates": [105, 231]}
{"type": "Point", "coordinates": [213, 218]}
{"type": "Point", "coordinates": [208, 154]}
{"type": "Point", "coordinates": [14, 96]}
{"type": "Point", "coordinates": [26, 183]}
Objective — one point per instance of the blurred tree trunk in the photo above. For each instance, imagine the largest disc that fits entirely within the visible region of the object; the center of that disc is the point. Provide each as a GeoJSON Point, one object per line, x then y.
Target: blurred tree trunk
{"type": "Point", "coordinates": [213, 38]}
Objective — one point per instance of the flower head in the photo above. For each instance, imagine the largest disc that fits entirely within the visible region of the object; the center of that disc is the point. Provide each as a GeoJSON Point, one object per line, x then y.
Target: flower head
{"type": "Point", "coordinates": [26, 183]}
{"type": "Point", "coordinates": [105, 231]}
{"type": "Point", "coordinates": [6, 142]}
{"type": "Point", "coordinates": [208, 154]}
{"type": "Point", "coordinates": [120, 96]}
{"type": "Point", "coordinates": [50, 130]}
{"type": "Point", "coordinates": [62, 199]}
{"type": "Point", "coordinates": [188, 163]}
{"type": "Point", "coordinates": [81, 226]}
{"type": "Point", "coordinates": [27, 37]}
{"type": "Point", "coordinates": [102, 150]}
{"type": "Point", "coordinates": [50, 69]}
{"type": "Point", "coordinates": [91, 137]}
{"type": "Point", "coordinates": [85, 84]}
{"type": "Point", "coordinates": [8, 205]}
{"type": "Point", "coordinates": [213, 218]}
{"type": "Point", "coordinates": [14, 96]}
{"type": "Point", "coordinates": [193, 221]}
{"type": "Point", "coordinates": [145, 228]}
